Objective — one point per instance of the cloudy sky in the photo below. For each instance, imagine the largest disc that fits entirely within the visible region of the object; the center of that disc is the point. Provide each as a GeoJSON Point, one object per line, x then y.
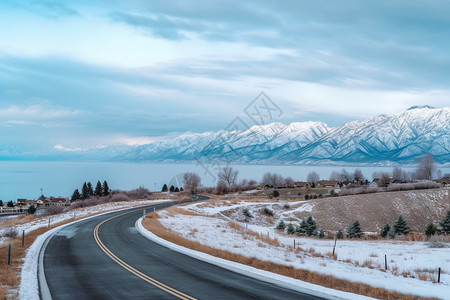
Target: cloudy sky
{"type": "Point", "coordinates": [89, 73]}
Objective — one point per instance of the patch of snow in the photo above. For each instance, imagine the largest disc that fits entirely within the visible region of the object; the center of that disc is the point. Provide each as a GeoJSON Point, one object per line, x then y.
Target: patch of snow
{"type": "Point", "coordinates": [409, 258]}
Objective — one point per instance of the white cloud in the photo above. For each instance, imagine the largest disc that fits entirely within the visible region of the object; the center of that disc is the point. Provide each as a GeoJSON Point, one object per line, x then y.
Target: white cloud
{"type": "Point", "coordinates": [65, 149]}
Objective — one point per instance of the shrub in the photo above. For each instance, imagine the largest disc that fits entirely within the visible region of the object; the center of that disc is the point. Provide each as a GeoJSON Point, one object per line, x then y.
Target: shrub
{"type": "Point", "coordinates": [276, 193]}
{"type": "Point", "coordinates": [384, 232]}
{"type": "Point", "coordinates": [53, 210]}
{"type": "Point", "coordinates": [281, 225]}
{"type": "Point", "coordinates": [445, 224]}
{"type": "Point", "coordinates": [268, 211]}
{"type": "Point", "coordinates": [306, 197]}
{"type": "Point", "coordinates": [10, 232]}
{"type": "Point", "coordinates": [339, 235]}
{"type": "Point", "coordinates": [290, 228]}
{"type": "Point", "coordinates": [247, 213]}
{"type": "Point", "coordinates": [431, 230]}
{"type": "Point", "coordinates": [286, 206]}
{"type": "Point", "coordinates": [321, 234]}
{"type": "Point", "coordinates": [31, 210]}
{"type": "Point", "coordinates": [119, 197]}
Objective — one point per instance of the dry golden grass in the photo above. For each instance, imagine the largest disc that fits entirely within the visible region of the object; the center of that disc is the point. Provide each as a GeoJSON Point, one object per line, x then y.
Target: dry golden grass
{"type": "Point", "coordinates": [152, 223]}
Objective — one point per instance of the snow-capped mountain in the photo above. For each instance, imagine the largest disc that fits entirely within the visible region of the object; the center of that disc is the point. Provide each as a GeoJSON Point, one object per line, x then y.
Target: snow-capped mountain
{"type": "Point", "coordinates": [383, 139]}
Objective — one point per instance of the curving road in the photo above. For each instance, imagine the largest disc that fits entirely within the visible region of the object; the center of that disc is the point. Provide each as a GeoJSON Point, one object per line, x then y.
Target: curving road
{"type": "Point", "coordinates": [106, 258]}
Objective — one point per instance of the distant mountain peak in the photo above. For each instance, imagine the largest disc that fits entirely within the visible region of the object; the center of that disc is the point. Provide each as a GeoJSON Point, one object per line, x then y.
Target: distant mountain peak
{"type": "Point", "coordinates": [420, 106]}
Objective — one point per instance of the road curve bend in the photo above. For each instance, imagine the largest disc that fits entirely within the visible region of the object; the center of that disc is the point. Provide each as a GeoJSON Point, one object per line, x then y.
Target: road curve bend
{"type": "Point", "coordinates": [105, 257]}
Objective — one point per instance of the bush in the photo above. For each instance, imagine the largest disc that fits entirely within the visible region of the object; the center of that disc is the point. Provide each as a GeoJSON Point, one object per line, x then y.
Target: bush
{"type": "Point", "coordinates": [286, 206]}
{"type": "Point", "coordinates": [431, 230]}
{"type": "Point", "coordinates": [445, 224]}
{"type": "Point", "coordinates": [120, 197]}
{"type": "Point", "coordinates": [290, 228]}
{"type": "Point", "coordinates": [384, 232]}
{"type": "Point", "coordinates": [10, 232]}
{"type": "Point", "coordinates": [247, 213]}
{"type": "Point", "coordinates": [53, 210]}
{"type": "Point", "coordinates": [340, 235]}
{"type": "Point", "coordinates": [276, 193]}
{"type": "Point", "coordinates": [281, 225]}
{"type": "Point", "coordinates": [31, 210]}
{"type": "Point", "coordinates": [268, 211]}
{"type": "Point", "coordinates": [321, 234]}
{"type": "Point", "coordinates": [306, 197]}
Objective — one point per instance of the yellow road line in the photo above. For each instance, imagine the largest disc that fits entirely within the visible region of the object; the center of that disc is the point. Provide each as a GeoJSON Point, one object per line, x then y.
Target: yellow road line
{"type": "Point", "coordinates": [129, 268]}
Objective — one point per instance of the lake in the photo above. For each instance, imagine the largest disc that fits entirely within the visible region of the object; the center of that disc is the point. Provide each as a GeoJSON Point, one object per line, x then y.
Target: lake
{"type": "Point", "coordinates": [25, 179]}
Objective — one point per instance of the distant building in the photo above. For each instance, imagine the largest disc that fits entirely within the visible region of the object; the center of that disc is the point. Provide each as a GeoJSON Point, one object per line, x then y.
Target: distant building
{"type": "Point", "coordinates": [302, 184]}
{"type": "Point", "coordinates": [328, 183]}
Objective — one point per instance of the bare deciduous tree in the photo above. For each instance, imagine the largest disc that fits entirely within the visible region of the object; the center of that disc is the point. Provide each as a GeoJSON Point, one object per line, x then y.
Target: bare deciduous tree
{"type": "Point", "coordinates": [345, 176]}
{"type": "Point", "coordinates": [384, 180]}
{"type": "Point", "coordinates": [313, 177]}
{"type": "Point", "coordinates": [289, 181]}
{"type": "Point", "coordinates": [358, 175]}
{"type": "Point", "coordinates": [426, 167]}
{"type": "Point", "coordinates": [334, 175]}
{"type": "Point", "coordinates": [191, 182]}
{"type": "Point", "coordinates": [228, 175]}
{"type": "Point", "coordinates": [272, 179]}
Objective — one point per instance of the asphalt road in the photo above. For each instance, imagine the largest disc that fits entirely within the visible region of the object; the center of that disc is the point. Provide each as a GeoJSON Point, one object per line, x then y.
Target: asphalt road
{"type": "Point", "coordinates": [112, 260]}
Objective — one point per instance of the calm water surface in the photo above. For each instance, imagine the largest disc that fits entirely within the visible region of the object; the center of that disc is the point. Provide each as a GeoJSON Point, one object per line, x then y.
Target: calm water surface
{"type": "Point", "coordinates": [25, 179]}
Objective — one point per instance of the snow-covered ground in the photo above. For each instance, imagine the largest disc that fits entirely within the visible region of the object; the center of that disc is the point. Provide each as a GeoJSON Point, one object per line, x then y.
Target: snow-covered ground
{"type": "Point", "coordinates": [29, 281]}
{"type": "Point", "coordinates": [358, 261]}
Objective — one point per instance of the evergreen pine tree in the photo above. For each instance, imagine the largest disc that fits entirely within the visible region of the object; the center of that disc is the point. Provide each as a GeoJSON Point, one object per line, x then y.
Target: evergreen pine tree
{"type": "Point", "coordinates": [84, 191]}
{"type": "Point", "coordinates": [281, 225]}
{"type": "Point", "coordinates": [1, 203]}
{"type": "Point", "coordinates": [340, 235]}
{"type": "Point", "coordinates": [445, 224]}
{"type": "Point", "coordinates": [391, 233]}
{"type": "Point", "coordinates": [76, 195]}
{"type": "Point", "coordinates": [321, 234]}
{"type": "Point", "coordinates": [171, 189]}
{"type": "Point", "coordinates": [400, 226]}
{"type": "Point", "coordinates": [177, 190]}
{"type": "Point", "coordinates": [385, 230]}
{"type": "Point", "coordinates": [31, 210]}
{"type": "Point", "coordinates": [10, 204]}
{"type": "Point", "coordinates": [164, 188]}
{"type": "Point", "coordinates": [98, 189]}
{"type": "Point", "coordinates": [354, 230]}
{"type": "Point", "coordinates": [290, 228]}
{"type": "Point", "coordinates": [90, 189]}
{"type": "Point", "coordinates": [181, 189]}
{"type": "Point", "coordinates": [431, 230]}
{"type": "Point", "coordinates": [105, 188]}
{"type": "Point", "coordinates": [310, 226]}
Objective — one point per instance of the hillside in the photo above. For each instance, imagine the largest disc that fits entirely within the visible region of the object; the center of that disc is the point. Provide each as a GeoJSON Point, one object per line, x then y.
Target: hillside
{"type": "Point", "coordinates": [373, 211]}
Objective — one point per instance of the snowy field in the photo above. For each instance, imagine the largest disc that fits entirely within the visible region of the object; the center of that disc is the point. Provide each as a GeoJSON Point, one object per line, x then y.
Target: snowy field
{"type": "Point", "coordinates": [412, 266]}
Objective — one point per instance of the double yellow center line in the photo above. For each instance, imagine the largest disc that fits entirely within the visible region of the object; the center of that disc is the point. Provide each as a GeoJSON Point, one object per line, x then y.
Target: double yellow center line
{"type": "Point", "coordinates": [129, 268]}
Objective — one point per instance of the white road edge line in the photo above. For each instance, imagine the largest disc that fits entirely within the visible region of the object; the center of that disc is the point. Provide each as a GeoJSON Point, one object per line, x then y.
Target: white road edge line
{"type": "Point", "coordinates": [280, 280]}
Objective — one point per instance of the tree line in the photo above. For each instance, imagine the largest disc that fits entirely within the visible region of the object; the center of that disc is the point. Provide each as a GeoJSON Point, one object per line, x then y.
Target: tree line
{"type": "Point", "coordinates": [88, 191]}
{"type": "Point", "coordinates": [308, 227]}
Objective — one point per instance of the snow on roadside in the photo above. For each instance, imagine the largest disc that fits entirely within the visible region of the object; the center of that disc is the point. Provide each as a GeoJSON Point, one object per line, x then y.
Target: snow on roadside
{"type": "Point", "coordinates": [29, 286]}
{"type": "Point", "coordinates": [408, 257]}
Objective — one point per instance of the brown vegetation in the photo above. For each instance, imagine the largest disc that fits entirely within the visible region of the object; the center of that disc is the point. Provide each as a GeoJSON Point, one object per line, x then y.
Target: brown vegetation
{"type": "Point", "coordinates": [152, 223]}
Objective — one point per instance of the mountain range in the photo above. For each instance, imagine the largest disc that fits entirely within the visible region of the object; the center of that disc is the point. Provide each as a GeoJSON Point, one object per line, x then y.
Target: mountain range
{"type": "Point", "coordinates": [381, 140]}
